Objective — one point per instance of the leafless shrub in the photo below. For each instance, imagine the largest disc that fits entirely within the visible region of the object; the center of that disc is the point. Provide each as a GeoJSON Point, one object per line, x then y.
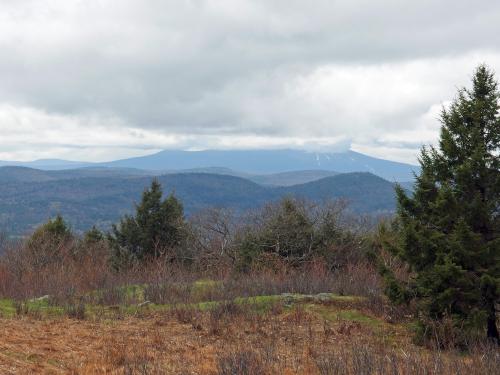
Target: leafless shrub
{"type": "Point", "coordinates": [58, 269]}
{"type": "Point", "coordinates": [4, 243]}
{"type": "Point", "coordinates": [444, 334]}
{"type": "Point", "coordinates": [221, 314]}
{"type": "Point", "coordinates": [168, 292]}
{"type": "Point", "coordinates": [75, 310]}
{"type": "Point", "coordinates": [131, 357]}
{"type": "Point", "coordinates": [213, 232]}
{"type": "Point", "coordinates": [241, 363]}
{"type": "Point", "coordinates": [331, 364]}
{"type": "Point", "coordinates": [360, 358]}
{"type": "Point", "coordinates": [112, 296]}
{"type": "Point", "coordinates": [186, 315]}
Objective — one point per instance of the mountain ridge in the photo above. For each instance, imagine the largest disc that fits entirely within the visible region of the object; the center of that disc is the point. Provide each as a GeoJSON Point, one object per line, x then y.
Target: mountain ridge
{"type": "Point", "coordinates": [247, 161]}
{"type": "Point", "coordinates": [27, 174]}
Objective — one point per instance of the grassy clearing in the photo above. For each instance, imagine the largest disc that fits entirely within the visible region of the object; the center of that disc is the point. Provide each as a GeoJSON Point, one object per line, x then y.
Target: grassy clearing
{"type": "Point", "coordinates": [135, 303]}
{"type": "Point", "coordinates": [289, 333]}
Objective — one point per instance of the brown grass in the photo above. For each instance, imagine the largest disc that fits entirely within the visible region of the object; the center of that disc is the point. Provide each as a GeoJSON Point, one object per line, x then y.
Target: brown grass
{"type": "Point", "coordinates": [229, 339]}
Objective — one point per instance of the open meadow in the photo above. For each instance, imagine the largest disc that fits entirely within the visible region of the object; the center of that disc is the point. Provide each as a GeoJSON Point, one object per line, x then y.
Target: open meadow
{"type": "Point", "coordinates": [309, 322]}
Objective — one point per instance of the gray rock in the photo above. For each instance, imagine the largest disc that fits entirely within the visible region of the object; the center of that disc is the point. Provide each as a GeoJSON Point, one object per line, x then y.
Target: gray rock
{"type": "Point", "coordinates": [288, 299]}
{"type": "Point", "coordinates": [323, 297]}
{"type": "Point", "coordinates": [42, 298]}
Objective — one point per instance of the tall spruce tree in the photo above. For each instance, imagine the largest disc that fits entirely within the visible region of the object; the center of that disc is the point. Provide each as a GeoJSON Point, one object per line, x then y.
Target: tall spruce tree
{"type": "Point", "coordinates": [158, 226]}
{"type": "Point", "coordinates": [449, 230]}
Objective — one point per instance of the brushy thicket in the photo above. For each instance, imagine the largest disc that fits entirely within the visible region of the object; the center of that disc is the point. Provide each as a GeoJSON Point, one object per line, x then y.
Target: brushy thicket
{"type": "Point", "coordinates": [290, 246]}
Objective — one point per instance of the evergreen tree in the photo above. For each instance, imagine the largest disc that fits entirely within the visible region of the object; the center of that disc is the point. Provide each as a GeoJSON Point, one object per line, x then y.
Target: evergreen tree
{"type": "Point", "coordinates": [283, 230]}
{"type": "Point", "coordinates": [56, 229]}
{"type": "Point", "coordinates": [49, 241]}
{"type": "Point", "coordinates": [93, 235]}
{"type": "Point", "coordinates": [157, 226]}
{"type": "Point", "coordinates": [449, 229]}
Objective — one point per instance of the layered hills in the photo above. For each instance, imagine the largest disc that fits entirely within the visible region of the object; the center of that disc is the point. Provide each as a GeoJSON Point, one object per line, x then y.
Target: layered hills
{"type": "Point", "coordinates": [99, 196]}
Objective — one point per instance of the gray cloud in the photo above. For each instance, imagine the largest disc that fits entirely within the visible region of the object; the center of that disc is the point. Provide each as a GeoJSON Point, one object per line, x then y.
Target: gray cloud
{"type": "Point", "coordinates": [145, 75]}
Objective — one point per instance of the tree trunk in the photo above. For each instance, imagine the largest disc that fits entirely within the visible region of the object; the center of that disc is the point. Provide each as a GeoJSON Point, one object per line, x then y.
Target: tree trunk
{"type": "Point", "coordinates": [492, 331]}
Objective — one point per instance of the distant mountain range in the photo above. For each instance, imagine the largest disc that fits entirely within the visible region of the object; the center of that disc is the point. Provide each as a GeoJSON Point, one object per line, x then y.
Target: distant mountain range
{"type": "Point", "coordinates": [99, 196]}
{"type": "Point", "coordinates": [46, 164]}
{"type": "Point", "coordinates": [253, 162]}
{"type": "Point", "coordinates": [25, 174]}
{"type": "Point", "coordinates": [89, 194]}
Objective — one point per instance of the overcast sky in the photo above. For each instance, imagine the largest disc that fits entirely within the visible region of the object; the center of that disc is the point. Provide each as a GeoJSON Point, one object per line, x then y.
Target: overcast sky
{"type": "Point", "coordinates": [104, 79]}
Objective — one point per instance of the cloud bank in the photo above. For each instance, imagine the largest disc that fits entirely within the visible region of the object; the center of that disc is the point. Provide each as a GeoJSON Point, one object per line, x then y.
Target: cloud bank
{"type": "Point", "coordinates": [98, 80]}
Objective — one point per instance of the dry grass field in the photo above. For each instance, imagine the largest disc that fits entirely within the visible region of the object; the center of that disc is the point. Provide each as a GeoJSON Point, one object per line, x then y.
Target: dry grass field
{"type": "Point", "coordinates": [285, 334]}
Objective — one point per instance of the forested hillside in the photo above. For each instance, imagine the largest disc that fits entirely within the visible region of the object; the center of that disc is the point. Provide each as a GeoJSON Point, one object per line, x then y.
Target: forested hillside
{"type": "Point", "coordinates": [30, 198]}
